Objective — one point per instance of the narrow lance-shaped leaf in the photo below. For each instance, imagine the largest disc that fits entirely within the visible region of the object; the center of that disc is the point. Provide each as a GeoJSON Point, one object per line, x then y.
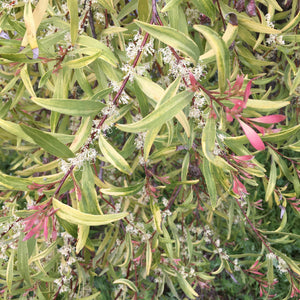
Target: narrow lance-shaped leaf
{"type": "Point", "coordinates": [148, 258]}
{"type": "Point", "coordinates": [252, 136]}
{"type": "Point", "coordinates": [221, 51]}
{"type": "Point", "coordinates": [127, 282]}
{"type": "Point", "coordinates": [38, 15]}
{"type": "Point", "coordinates": [26, 80]}
{"type": "Point", "coordinates": [73, 9]}
{"type": "Point", "coordinates": [30, 30]}
{"type": "Point", "coordinates": [269, 119]}
{"type": "Point", "coordinates": [210, 183]}
{"type": "Point", "coordinates": [113, 157]}
{"type": "Point", "coordinates": [48, 142]}
{"type": "Point", "coordinates": [173, 38]}
{"type": "Point", "coordinates": [82, 236]}
{"type": "Point", "coordinates": [70, 106]}
{"type": "Point", "coordinates": [208, 145]}
{"type": "Point", "coordinates": [82, 62]}
{"type": "Point", "coordinates": [22, 254]}
{"type": "Point", "coordinates": [75, 216]}
{"type": "Point", "coordinates": [272, 181]}
{"type": "Point", "coordinates": [10, 270]}
{"type": "Point", "coordinates": [158, 117]}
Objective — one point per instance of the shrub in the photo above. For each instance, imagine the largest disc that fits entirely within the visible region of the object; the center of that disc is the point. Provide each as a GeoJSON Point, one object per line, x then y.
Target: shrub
{"type": "Point", "coordinates": [149, 149]}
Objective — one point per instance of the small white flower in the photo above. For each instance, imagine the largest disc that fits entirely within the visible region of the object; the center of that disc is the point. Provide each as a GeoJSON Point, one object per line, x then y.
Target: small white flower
{"type": "Point", "coordinates": [271, 256]}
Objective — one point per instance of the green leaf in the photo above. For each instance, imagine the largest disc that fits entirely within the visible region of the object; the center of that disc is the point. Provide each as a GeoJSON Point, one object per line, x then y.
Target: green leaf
{"type": "Point", "coordinates": [82, 236]}
{"type": "Point", "coordinates": [82, 134]}
{"type": "Point", "coordinates": [23, 257]}
{"type": "Point", "coordinates": [74, 19]}
{"type": "Point", "coordinates": [186, 287]}
{"type": "Point", "coordinates": [272, 137]}
{"type": "Point", "coordinates": [148, 258]}
{"type": "Point", "coordinates": [294, 22]}
{"type": "Point", "coordinates": [294, 147]}
{"type": "Point", "coordinates": [108, 4]}
{"type": "Point", "coordinates": [296, 82]}
{"type": "Point", "coordinates": [107, 55]}
{"type": "Point", "coordinates": [185, 166]}
{"type": "Point", "coordinates": [173, 38]}
{"type": "Point", "coordinates": [48, 142]}
{"type": "Point", "coordinates": [123, 191]}
{"type": "Point", "coordinates": [272, 182]}
{"type": "Point", "coordinates": [162, 114]}
{"type": "Point", "coordinates": [10, 270]}
{"type": "Point", "coordinates": [16, 130]}
{"type": "Point", "coordinates": [210, 182]}
{"type": "Point", "coordinates": [149, 88]}
{"type": "Point", "coordinates": [208, 145]}
{"type": "Point", "coordinates": [144, 10]}
{"type": "Point", "coordinates": [128, 255]}
{"type": "Point", "coordinates": [170, 5]}
{"type": "Point", "coordinates": [82, 62]}
{"type": "Point", "coordinates": [8, 182]}
{"type": "Point", "coordinates": [265, 105]}
{"type": "Point", "coordinates": [26, 80]}
{"type": "Point", "coordinates": [70, 106]}
{"type": "Point", "coordinates": [156, 216]}
{"type": "Point", "coordinates": [75, 216]}
{"type": "Point", "coordinates": [255, 26]}
{"type": "Point", "coordinates": [127, 282]}
{"type": "Point", "coordinates": [207, 7]}
{"type": "Point", "coordinates": [113, 157]}
{"type": "Point", "coordinates": [89, 202]}
{"type": "Point", "coordinates": [221, 52]}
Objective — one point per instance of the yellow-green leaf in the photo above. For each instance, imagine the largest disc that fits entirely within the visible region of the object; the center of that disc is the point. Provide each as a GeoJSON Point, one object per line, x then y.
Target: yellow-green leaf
{"type": "Point", "coordinates": [113, 156]}
{"type": "Point", "coordinates": [162, 114]}
{"type": "Point", "coordinates": [148, 258]}
{"type": "Point", "coordinates": [82, 62]}
{"type": "Point", "coordinates": [26, 80]}
{"type": "Point", "coordinates": [173, 38]}
{"type": "Point", "coordinates": [70, 106]}
{"type": "Point", "coordinates": [48, 142]}
{"type": "Point", "coordinates": [10, 270]}
{"type": "Point", "coordinates": [127, 282]}
{"type": "Point", "coordinates": [272, 181]}
{"type": "Point", "coordinates": [122, 191]}
{"type": "Point", "coordinates": [210, 182]}
{"type": "Point", "coordinates": [221, 52]}
{"type": "Point", "coordinates": [208, 145]}
{"type": "Point", "coordinates": [74, 19]}
{"type": "Point", "coordinates": [75, 216]}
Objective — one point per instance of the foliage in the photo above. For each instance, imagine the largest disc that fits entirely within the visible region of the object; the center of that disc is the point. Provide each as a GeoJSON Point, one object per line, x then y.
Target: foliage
{"type": "Point", "coordinates": [149, 149]}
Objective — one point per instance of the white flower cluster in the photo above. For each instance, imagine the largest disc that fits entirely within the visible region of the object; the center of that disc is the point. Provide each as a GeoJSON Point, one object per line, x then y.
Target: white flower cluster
{"type": "Point", "coordinates": [282, 266]}
{"type": "Point", "coordinates": [207, 234]}
{"type": "Point", "coordinates": [88, 154]}
{"type": "Point", "coordinates": [273, 38]}
{"type": "Point", "coordinates": [271, 256]}
{"type": "Point", "coordinates": [139, 140]}
{"type": "Point", "coordinates": [182, 68]}
{"type": "Point", "coordinates": [135, 45]}
{"type": "Point", "coordinates": [124, 98]}
{"type": "Point", "coordinates": [236, 265]}
{"type": "Point", "coordinates": [110, 109]}
{"type": "Point", "coordinates": [185, 274]}
{"type": "Point", "coordinates": [130, 71]}
{"type": "Point", "coordinates": [196, 109]}
{"type": "Point", "coordinates": [100, 17]}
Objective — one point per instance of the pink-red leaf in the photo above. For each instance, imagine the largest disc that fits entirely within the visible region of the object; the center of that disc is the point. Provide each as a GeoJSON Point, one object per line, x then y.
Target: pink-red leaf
{"type": "Point", "coordinates": [252, 136]}
{"type": "Point", "coordinates": [247, 92]}
{"type": "Point", "coordinates": [269, 119]}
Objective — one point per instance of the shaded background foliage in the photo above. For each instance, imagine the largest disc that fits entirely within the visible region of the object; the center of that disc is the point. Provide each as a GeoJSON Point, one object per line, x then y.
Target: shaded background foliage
{"type": "Point", "coordinates": [149, 149]}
